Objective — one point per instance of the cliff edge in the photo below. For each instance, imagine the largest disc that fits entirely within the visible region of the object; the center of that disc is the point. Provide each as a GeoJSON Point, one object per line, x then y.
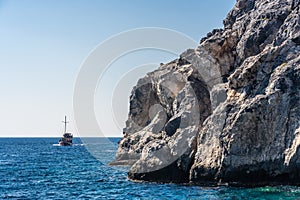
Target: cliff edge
{"type": "Point", "coordinates": [227, 111]}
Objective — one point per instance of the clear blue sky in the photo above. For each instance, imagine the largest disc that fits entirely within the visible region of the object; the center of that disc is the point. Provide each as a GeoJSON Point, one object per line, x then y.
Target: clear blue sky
{"type": "Point", "coordinates": [43, 44]}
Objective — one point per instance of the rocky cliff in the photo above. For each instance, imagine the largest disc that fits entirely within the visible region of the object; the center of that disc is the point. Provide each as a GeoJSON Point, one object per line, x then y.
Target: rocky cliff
{"type": "Point", "coordinates": [227, 111]}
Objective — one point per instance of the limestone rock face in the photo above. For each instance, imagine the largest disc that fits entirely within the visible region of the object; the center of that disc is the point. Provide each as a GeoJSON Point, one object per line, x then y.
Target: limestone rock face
{"type": "Point", "coordinates": [227, 111]}
{"type": "Point", "coordinates": [167, 107]}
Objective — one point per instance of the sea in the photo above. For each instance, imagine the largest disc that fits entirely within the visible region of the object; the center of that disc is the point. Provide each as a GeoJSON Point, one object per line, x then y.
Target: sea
{"type": "Point", "coordinates": [37, 168]}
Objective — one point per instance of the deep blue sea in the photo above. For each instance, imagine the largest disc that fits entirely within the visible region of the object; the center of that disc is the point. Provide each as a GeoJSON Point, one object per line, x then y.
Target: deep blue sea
{"type": "Point", "coordinates": [34, 168]}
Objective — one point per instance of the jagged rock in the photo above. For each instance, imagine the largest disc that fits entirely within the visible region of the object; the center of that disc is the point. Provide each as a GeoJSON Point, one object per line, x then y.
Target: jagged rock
{"type": "Point", "coordinates": [227, 111]}
{"type": "Point", "coordinates": [218, 95]}
{"type": "Point", "coordinates": [249, 139]}
{"type": "Point", "coordinates": [180, 106]}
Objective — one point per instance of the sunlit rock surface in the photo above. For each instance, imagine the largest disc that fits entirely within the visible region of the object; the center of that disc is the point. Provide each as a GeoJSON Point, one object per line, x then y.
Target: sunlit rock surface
{"type": "Point", "coordinates": [227, 111]}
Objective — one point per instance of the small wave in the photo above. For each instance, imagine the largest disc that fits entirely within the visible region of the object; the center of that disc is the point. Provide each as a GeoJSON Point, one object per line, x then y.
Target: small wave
{"type": "Point", "coordinates": [78, 144]}
{"type": "Point", "coordinates": [58, 145]}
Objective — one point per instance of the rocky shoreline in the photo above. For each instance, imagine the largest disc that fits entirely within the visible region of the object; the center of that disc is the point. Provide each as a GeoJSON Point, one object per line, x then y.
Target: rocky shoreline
{"type": "Point", "coordinates": [227, 112]}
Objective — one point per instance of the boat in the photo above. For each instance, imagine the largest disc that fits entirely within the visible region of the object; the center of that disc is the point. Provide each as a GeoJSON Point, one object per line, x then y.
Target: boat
{"type": "Point", "coordinates": [67, 138]}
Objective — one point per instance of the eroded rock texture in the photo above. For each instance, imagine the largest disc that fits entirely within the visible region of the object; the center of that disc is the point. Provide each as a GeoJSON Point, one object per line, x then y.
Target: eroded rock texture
{"type": "Point", "coordinates": [227, 111]}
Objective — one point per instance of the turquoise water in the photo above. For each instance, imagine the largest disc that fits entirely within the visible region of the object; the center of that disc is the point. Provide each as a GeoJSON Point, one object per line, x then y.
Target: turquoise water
{"type": "Point", "coordinates": [33, 168]}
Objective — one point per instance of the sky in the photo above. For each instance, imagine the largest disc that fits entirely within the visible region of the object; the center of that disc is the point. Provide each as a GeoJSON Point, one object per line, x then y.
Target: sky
{"type": "Point", "coordinates": [43, 45]}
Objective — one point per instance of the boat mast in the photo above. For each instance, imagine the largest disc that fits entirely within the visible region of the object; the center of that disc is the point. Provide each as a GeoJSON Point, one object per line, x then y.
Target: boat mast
{"type": "Point", "coordinates": [65, 122]}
